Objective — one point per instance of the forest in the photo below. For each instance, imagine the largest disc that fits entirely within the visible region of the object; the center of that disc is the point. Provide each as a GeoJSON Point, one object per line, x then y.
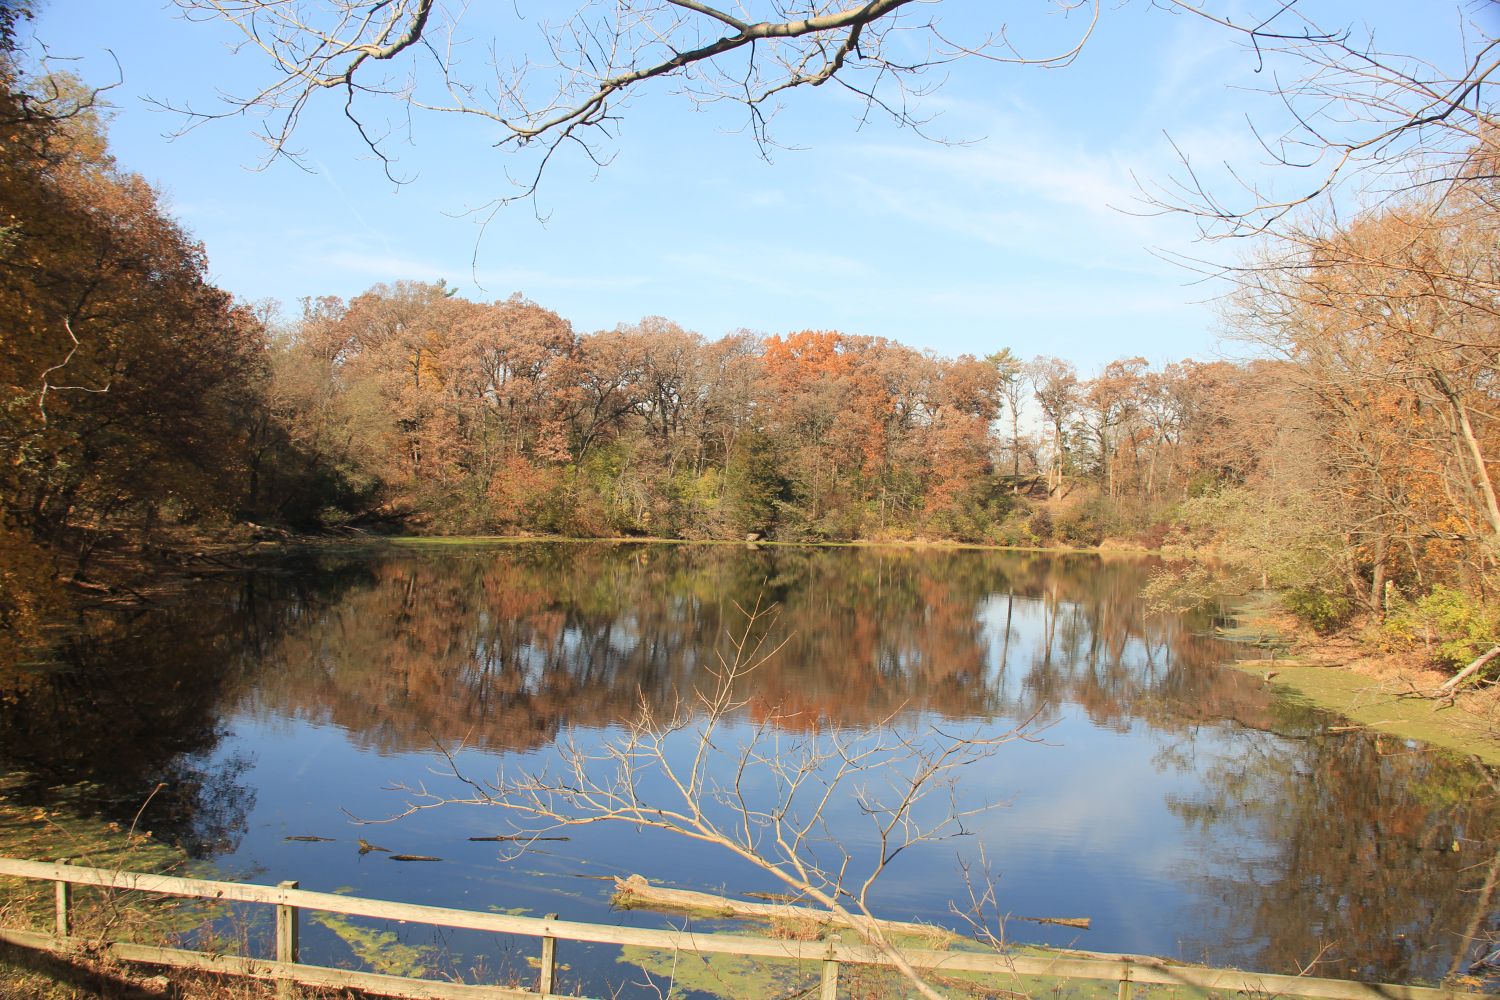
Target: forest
{"type": "Point", "coordinates": [1349, 463]}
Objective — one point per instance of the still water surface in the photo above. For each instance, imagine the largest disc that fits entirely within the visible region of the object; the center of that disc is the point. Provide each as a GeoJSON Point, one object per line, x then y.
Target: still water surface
{"type": "Point", "coordinates": [1177, 803]}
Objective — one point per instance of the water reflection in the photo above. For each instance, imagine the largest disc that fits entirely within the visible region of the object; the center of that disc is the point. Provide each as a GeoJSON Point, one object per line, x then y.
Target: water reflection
{"type": "Point", "coordinates": [1379, 860]}
{"type": "Point", "coordinates": [1283, 842]}
{"type": "Point", "coordinates": [127, 710]}
{"type": "Point", "coordinates": [126, 717]}
{"type": "Point", "coordinates": [503, 649]}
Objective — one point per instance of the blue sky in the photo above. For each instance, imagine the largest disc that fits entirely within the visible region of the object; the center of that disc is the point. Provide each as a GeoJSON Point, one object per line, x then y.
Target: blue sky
{"type": "Point", "coordinates": [1016, 239]}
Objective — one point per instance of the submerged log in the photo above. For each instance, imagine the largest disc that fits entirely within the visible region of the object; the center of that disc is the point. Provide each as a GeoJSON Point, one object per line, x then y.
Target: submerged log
{"type": "Point", "coordinates": [637, 893]}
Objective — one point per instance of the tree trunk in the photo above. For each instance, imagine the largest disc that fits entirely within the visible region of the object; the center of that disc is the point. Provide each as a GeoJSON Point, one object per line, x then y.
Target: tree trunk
{"type": "Point", "coordinates": [1475, 455]}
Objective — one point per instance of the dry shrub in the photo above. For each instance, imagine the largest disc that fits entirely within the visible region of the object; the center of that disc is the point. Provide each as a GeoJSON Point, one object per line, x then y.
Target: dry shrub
{"type": "Point", "coordinates": [797, 929]}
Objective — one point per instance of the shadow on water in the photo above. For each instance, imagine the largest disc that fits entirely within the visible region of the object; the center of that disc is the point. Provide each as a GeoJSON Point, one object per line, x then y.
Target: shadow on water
{"type": "Point", "coordinates": [1259, 833]}
{"type": "Point", "coordinates": [126, 712]}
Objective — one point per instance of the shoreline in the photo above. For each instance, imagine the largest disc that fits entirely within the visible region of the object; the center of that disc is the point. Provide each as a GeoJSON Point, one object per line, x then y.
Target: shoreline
{"type": "Point", "coordinates": [1387, 692]}
{"type": "Point", "coordinates": [914, 544]}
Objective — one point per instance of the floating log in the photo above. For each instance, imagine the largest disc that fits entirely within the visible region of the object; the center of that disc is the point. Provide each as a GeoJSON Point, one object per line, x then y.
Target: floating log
{"type": "Point", "coordinates": [310, 840]}
{"type": "Point", "coordinates": [502, 838]}
{"type": "Point", "coordinates": [637, 893]}
{"type": "Point", "coordinates": [1082, 923]}
{"type": "Point", "coordinates": [414, 857]}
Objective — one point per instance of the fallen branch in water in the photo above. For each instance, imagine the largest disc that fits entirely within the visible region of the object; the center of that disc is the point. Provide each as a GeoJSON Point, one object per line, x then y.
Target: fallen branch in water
{"type": "Point", "coordinates": [1082, 923]}
{"type": "Point", "coordinates": [1449, 686]}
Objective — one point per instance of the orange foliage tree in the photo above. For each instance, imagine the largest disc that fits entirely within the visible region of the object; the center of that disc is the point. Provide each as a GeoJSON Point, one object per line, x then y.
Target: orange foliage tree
{"type": "Point", "coordinates": [1390, 322]}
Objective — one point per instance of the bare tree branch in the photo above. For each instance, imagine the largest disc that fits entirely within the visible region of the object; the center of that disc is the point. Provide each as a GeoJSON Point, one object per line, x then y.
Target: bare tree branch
{"type": "Point", "coordinates": [1356, 114]}
{"type": "Point", "coordinates": [550, 83]}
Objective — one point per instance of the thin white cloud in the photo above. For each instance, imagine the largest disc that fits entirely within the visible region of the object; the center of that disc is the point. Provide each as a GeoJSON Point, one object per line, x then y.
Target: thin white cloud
{"type": "Point", "coordinates": [1063, 238]}
{"type": "Point", "coordinates": [1198, 62]}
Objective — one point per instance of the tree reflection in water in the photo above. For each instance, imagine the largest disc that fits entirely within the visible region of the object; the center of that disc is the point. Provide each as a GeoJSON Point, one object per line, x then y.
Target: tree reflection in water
{"type": "Point", "coordinates": [504, 648]}
{"type": "Point", "coordinates": [1382, 859]}
{"type": "Point", "coordinates": [127, 706]}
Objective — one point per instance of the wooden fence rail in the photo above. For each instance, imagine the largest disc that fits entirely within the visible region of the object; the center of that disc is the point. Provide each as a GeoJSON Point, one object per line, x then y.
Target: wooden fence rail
{"type": "Point", "coordinates": [1129, 971]}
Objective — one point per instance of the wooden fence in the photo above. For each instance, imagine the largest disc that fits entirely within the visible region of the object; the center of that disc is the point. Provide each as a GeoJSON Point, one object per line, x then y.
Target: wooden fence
{"type": "Point", "coordinates": [287, 968]}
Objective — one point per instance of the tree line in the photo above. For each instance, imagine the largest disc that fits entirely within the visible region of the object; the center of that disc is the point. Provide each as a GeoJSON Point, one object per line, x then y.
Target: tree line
{"type": "Point", "coordinates": [413, 404]}
{"type": "Point", "coordinates": [1350, 462]}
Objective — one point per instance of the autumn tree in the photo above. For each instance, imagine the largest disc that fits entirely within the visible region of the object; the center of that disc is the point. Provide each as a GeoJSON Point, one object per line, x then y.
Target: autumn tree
{"type": "Point", "coordinates": [831, 432]}
{"type": "Point", "coordinates": [1055, 387]}
{"type": "Point", "coordinates": [316, 444]}
{"type": "Point", "coordinates": [610, 363]}
{"type": "Point", "coordinates": [124, 371]}
{"type": "Point", "coordinates": [1393, 338]}
{"type": "Point", "coordinates": [1109, 401]}
{"type": "Point", "coordinates": [657, 424]}
{"type": "Point", "coordinates": [965, 401]}
{"type": "Point", "coordinates": [1164, 416]}
{"type": "Point", "coordinates": [1012, 374]}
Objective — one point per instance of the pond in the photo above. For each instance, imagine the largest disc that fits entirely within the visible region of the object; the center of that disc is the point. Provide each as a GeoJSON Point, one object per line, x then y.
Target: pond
{"type": "Point", "coordinates": [1175, 802]}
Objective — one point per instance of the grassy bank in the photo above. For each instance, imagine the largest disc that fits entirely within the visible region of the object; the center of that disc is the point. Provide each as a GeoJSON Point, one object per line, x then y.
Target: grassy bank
{"type": "Point", "coordinates": [60, 832]}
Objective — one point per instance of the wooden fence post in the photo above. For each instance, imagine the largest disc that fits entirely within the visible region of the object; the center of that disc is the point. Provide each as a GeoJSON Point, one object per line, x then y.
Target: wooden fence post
{"type": "Point", "coordinates": [62, 894]}
{"type": "Point", "coordinates": [1125, 989]}
{"type": "Point", "coordinates": [830, 990]}
{"type": "Point", "coordinates": [547, 981]}
{"type": "Point", "coordinates": [288, 947]}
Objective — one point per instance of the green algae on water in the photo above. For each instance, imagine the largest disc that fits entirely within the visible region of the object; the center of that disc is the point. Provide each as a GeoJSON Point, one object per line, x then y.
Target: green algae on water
{"type": "Point", "coordinates": [381, 951]}
{"type": "Point", "coordinates": [1367, 702]}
